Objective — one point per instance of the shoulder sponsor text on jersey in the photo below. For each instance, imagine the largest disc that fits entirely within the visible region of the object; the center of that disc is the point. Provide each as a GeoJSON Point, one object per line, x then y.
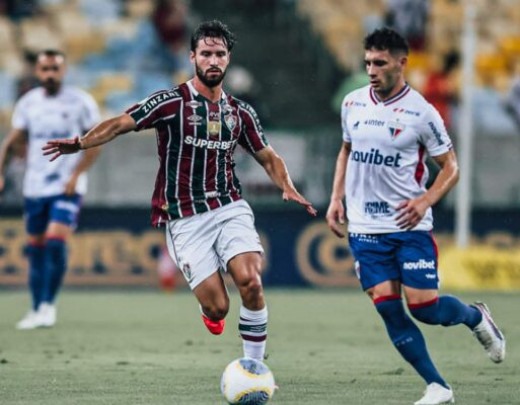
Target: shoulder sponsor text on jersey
{"type": "Point", "coordinates": [375, 157]}
{"type": "Point", "coordinates": [155, 100]}
{"type": "Point", "coordinates": [407, 112]}
{"type": "Point", "coordinates": [204, 143]}
{"type": "Point", "coordinates": [436, 133]}
{"type": "Point", "coordinates": [355, 104]}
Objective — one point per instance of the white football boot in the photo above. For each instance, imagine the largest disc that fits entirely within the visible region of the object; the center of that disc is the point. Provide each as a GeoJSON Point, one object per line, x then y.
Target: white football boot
{"type": "Point", "coordinates": [488, 334]}
{"type": "Point", "coordinates": [436, 394]}
{"type": "Point", "coordinates": [47, 314]}
{"type": "Point", "coordinates": [29, 321]}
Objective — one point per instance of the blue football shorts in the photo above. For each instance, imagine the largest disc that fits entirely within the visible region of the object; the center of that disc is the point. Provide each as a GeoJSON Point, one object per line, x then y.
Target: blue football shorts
{"type": "Point", "coordinates": [39, 212]}
{"type": "Point", "coordinates": [409, 257]}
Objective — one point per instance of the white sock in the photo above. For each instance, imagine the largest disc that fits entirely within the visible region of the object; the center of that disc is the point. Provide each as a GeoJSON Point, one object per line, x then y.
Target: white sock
{"type": "Point", "coordinates": [253, 329]}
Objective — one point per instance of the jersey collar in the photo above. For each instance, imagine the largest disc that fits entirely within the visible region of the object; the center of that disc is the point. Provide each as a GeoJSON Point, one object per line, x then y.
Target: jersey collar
{"type": "Point", "coordinates": [403, 92]}
{"type": "Point", "coordinates": [195, 93]}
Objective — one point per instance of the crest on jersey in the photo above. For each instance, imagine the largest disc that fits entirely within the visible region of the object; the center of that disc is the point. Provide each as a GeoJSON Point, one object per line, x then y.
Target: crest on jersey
{"type": "Point", "coordinates": [395, 128]}
{"type": "Point", "coordinates": [213, 128]}
{"type": "Point", "coordinates": [231, 121]}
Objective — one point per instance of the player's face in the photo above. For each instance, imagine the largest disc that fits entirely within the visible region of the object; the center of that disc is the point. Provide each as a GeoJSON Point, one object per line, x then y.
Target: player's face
{"type": "Point", "coordinates": [50, 71]}
{"type": "Point", "coordinates": [385, 71]}
{"type": "Point", "coordinates": [211, 58]}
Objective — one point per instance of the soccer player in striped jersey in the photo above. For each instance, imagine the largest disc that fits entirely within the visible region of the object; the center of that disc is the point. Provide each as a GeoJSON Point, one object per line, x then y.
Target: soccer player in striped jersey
{"type": "Point", "coordinates": [388, 130]}
{"type": "Point", "coordinates": [197, 195]}
{"type": "Point", "coordinates": [52, 192]}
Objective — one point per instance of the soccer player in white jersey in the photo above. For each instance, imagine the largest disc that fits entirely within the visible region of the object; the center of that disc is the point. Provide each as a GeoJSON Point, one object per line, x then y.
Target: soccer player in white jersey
{"type": "Point", "coordinates": [388, 131]}
{"type": "Point", "coordinates": [52, 191]}
{"type": "Point", "coordinates": [197, 196]}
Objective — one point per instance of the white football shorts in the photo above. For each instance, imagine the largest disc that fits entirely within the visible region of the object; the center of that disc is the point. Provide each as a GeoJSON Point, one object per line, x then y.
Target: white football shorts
{"type": "Point", "coordinates": [204, 243]}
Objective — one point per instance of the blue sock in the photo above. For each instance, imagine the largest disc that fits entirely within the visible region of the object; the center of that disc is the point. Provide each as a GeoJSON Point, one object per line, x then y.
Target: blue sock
{"type": "Point", "coordinates": [55, 267]}
{"type": "Point", "coordinates": [408, 339]}
{"type": "Point", "coordinates": [447, 310]}
{"type": "Point", "coordinates": [36, 257]}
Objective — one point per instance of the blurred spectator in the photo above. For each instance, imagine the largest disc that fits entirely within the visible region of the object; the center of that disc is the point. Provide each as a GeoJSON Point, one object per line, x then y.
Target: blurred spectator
{"type": "Point", "coordinates": [441, 89]}
{"type": "Point", "coordinates": [243, 85]}
{"type": "Point", "coordinates": [170, 20]}
{"type": "Point", "coordinates": [27, 80]}
{"type": "Point", "coordinates": [409, 18]}
{"type": "Point", "coordinates": [19, 9]}
{"type": "Point", "coordinates": [513, 96]}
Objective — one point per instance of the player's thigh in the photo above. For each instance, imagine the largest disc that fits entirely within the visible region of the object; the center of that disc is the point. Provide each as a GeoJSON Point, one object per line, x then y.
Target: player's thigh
{"type": "Point", "coordinates": [238, 245]}
{"type": "Point", "coordinates": [36, 216]}
{"type": "Point", "coordinates": [63, 215]}
{"type": "Point", "coordinates": [212, 295]}
{"type": "Point", "coordinates": [246, 268]}
{"type": "Point", "coordinates": [375, 262]}
{"type": "Point", "coordinates": [417, 257]}
{"type": "Point", "coordinates": [190, 242]}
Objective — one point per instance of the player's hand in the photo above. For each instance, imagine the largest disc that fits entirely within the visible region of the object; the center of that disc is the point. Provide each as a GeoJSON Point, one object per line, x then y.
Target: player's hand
{"type": "Point", "coordinates": [292, 195]}
{"type": "Point", "coordinates": [336, 218]}
{"type": "Point", "coordinates": [411, 212]}
{"type": "Point", "coordinates": [59, 147]}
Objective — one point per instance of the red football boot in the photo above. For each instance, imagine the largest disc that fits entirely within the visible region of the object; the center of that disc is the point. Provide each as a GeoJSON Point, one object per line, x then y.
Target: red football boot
{"type": "Point", "coordinates": [215, 327]}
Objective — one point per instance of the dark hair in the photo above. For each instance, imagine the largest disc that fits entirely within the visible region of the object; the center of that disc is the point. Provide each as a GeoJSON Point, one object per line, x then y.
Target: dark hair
{"type": "Point", "coordinates": [386, 39]}
{"type": "Point", "coordinates": [213, 29]}
{"type": "Point", "coordinates": [50, 53]}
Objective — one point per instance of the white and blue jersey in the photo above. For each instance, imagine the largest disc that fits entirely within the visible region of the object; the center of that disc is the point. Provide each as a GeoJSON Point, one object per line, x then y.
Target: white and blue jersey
{"type": "Point", "coordinates": [389, 141]}
{"type": "Point", "coordinates": [67, 114]}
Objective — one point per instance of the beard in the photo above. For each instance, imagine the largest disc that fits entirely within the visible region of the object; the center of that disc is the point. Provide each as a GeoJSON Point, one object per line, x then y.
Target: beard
{"type": "Point", "coordinates": [52, 86]}
{"type": "Point", "coordinates": [212, 81]}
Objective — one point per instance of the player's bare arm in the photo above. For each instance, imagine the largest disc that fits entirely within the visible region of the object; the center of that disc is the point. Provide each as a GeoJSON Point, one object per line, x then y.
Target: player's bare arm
{"type": "Point", "coordinates": [336, 211]}
{"type": "Point", "coordinates": [411, 212]}
{"type": "Point", "coordinates": [13, 136]}
{"type": "Point", "coordinates": [102, 133]}
{"type": "Point", "coordinates": [89, 157]}
{"type": "Point", "coordinates": [275, 167]}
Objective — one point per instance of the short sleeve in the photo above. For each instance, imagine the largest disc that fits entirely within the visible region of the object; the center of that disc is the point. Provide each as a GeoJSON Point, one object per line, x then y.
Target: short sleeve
{"type": "Point", "coordinates": [19, 118]}
{"type": "Point", "coordinates": [252, 136]}
{"type": "Point", "coordinates": [433, 134]}
{"type": "Point", "coordinates": [344, 115]}
{"type": "Point", "coordinates": [154, 108]}
{"type": "Point", "coordinates": [90, 114]}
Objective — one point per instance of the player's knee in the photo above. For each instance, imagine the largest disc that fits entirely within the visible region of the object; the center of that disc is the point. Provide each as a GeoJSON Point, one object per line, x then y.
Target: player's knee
{"type": "Point", "coordinates": [216, 311]}
{"type": "Point", "coordinates": [253, 284]}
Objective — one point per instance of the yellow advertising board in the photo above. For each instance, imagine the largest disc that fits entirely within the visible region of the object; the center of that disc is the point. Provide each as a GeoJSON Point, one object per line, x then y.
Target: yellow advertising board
{"type": "Point", "coordinates": [480, 267]}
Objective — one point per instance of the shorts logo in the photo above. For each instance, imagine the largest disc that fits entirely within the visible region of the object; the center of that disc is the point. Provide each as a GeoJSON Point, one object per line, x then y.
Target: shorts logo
{"type": "Point", "coordinates": [419, 265]}
{"type": "Point", "coordinates": [186, 270]}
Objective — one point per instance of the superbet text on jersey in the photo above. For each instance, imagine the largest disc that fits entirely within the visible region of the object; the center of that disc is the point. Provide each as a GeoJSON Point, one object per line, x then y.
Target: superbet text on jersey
{"type": "Point", "coordinates": [390, 141]}
{"type": "Point", "coordinates": [196, 140]}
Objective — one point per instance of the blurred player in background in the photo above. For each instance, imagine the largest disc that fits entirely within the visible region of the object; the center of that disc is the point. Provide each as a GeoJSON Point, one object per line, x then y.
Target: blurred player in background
{"type": "Point", "coordinates": [388, 130]}
{"type": "Point", "coordinates": [197, 195]}
{"type": "Point", "coordinates": [52, 191]}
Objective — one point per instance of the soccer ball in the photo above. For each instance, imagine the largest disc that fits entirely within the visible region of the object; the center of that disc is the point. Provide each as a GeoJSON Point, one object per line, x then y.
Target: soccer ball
{"type": "Point", "coordinates": [247, 382]}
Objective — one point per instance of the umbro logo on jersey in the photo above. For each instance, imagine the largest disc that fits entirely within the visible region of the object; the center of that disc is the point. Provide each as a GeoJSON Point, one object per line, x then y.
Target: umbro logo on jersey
{"type": "Point", "coordinates": [195, 119]}
{"type": "Point", "coordinates": [193, 104]}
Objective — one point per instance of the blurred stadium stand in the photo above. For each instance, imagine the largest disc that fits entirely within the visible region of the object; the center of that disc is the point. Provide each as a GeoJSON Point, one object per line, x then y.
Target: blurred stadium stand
{"type": "Point", "coordinates": [297, 51]}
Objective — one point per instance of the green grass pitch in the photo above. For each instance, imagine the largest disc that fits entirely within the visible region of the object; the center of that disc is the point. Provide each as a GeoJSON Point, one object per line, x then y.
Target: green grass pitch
{"type": "Point", "coordinates": [325, 347]}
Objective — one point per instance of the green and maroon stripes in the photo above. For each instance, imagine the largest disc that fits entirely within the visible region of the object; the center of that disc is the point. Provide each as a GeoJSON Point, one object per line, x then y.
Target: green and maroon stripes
{"type": "Point", "coordinates": [252, 331]}
{"type": "Point", "coordinates": [196, 140]}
